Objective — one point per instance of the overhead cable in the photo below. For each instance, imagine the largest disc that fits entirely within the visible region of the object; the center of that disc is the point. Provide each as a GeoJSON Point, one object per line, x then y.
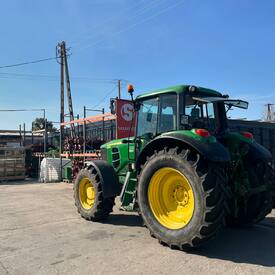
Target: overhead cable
{"type": "Point", "coordinates": [27, 62]}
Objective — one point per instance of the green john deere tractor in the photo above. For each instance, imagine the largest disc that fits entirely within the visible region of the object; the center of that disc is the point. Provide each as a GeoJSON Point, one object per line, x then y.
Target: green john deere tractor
{"type": "Point", "coordinates": [184, 172]}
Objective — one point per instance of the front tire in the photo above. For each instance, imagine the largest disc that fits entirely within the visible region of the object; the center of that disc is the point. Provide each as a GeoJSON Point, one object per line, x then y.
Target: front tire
{"type": "Point", "coordinates": [180, 198]}
{"type": "Point", "coordinates": [88, 196]}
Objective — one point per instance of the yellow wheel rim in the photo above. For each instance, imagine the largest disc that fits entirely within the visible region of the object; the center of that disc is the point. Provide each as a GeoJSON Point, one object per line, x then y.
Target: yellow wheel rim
{"type": "Point", "coordinates": [171, 198]}
{"type": "Point", "coordinates": [86, 193]}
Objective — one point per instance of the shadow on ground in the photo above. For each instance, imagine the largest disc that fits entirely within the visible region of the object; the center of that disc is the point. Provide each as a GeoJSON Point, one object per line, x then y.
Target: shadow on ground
{"type": "Point", "coordinates": [251, 245]}
{"type": "Point", "coordinates": [124, 219]}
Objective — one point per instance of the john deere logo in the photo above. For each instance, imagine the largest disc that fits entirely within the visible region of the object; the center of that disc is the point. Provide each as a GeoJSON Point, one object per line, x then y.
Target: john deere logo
{"type": "Point", "coordinates": [127, 111]}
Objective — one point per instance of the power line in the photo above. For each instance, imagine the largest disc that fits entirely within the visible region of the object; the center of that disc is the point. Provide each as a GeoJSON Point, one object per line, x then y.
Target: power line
{"type": "Point", "coordinates": [27, 62]}
{"type": "Point", "coordinates": [140, 12]}
{"type": "Point", "coordinates": [56, 77]}
{"type": "Point", "coordinates": [20, 76]}
{"type": "Point", "coordinates": [20, 110]}
{"type": "Point", "coordinates": [104, 26]}
{"type": "Point", "coordinates": [106, 95]}
{"type": "Point", "coordinates": [121, 13]}
{"type": "Point", "coordinates": [134, 24]}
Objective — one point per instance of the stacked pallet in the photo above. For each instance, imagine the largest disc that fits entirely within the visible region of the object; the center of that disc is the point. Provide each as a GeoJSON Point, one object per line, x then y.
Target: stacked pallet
{"type": "Point", "coordinates": [12, 163]}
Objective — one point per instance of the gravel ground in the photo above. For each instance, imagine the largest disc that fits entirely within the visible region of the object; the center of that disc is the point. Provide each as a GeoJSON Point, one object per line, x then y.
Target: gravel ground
{"type": "Point", "coordinates": [41, 233]}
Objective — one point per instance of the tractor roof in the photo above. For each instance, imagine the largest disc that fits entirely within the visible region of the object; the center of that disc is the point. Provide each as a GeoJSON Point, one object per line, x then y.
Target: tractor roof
{"type": "Point", "coordinates": [180, 89]}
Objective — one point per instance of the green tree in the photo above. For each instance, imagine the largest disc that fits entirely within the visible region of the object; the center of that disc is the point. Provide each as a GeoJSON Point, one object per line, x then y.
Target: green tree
{"type": "Point", "coordinates": [39, 124]}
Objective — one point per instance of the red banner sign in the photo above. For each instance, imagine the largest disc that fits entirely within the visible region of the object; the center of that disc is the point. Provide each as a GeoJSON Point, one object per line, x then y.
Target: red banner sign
{"type": "Point", "coordinates": [125, 118]}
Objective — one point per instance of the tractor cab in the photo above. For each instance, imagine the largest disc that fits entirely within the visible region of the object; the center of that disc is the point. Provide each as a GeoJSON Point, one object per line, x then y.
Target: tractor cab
{"type": "Point", "coordinates": [194, 108]}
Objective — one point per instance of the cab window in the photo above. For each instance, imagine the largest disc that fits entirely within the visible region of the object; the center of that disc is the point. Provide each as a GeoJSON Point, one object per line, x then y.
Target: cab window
{"type": "Point", "coordinates": [168, 113]}
{"type": "Point", "coordinates": [147, 117]}
{"type": "Point", "coordinates": [201, 115]}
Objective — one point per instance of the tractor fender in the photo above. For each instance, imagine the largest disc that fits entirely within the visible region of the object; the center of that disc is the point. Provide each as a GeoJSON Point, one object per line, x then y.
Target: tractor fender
{"type": "Point", "coordinates": [108, 177]}
{"type": "Point", "coordinates": [213, 151]}
{"type": "Point", "coordinates": [257, 151]}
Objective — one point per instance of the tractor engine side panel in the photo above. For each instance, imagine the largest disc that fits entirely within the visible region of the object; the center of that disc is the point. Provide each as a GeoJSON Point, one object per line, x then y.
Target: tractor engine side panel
{"type": "Point", "coordinates": [119, 155]}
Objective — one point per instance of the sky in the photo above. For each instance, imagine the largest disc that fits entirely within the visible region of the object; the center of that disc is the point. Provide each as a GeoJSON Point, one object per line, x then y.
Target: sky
{"type": "Point", "coordinates": [226, 45]}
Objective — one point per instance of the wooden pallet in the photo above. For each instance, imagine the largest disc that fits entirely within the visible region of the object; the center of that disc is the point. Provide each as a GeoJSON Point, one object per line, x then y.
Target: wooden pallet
{"type": "Point", "coordinates": [12, 163]}
{"type": "Point", "coordinates": [7, 178]}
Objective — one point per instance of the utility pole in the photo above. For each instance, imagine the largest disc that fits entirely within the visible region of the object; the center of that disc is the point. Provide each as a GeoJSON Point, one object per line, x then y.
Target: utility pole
{"type": "Point", "coordinates": [64, 72]}
{"type": "Point", "coordinates": [24, 133]}
{"type": "Point", "coordinates": [78, 130]}
{"type": "Point", "coordinates": [60, 52]}
{"type": "Point", "coordinates": [20, 133]}
{"type": "Point", "coordinates": [61, 55]}
{"type": "Point", "coordinates": [84, 133]}
{"type": "Point", "coordinates": [68, 84]}
{"type": "Point", "coordinates": [103, 125]}
{"type": "Point", "coordinates": [45, 132]}
{"type": "Point", "coordinates": [119, 86]}
{"type": "Point", "coordinates": [269, 112]}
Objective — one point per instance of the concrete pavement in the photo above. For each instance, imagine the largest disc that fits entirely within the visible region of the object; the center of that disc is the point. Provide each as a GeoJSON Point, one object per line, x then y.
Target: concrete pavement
{"type": "Point", "coordinates": [41, 233]}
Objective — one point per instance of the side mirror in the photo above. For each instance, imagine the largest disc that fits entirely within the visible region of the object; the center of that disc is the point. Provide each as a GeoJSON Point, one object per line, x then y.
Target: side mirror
{"type": "Point", "coordinates": [184, 119]}
{"type": "Point", "coordinates": [112, 107]}
{"type": "Point", "coordinates": [195, 113]}
{"type": "Point", "coordinates": [137, 105]}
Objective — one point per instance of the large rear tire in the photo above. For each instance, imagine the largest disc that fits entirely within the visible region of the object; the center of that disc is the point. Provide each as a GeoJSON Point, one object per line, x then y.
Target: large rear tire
{"type": "Point", "coordinates": [260, 204]}
{"type": "Point", "coordinates": [89, 198]}
{"type": "Point", "coordinates": [180, 198]}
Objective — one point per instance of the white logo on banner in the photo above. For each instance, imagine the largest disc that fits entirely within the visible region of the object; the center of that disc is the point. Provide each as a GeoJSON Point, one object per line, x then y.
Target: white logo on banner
{"type": "Point", "coordinates": [127, 111]}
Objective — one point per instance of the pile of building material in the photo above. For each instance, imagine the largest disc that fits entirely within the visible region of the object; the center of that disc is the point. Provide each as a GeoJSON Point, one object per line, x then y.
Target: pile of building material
{"type": "Point", "coordinates": [12, 157]}
{"type": "Point", "coordinates": [12, 163]}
